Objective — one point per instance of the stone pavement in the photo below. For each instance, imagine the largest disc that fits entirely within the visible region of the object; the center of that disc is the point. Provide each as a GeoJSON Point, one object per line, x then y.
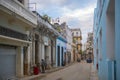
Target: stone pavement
{"type": "Point", "coordinates": [35, 77]}
{"type": "Point", "coordinates": [77, 71]}
{"type": "Point", "coordinates": [93, 73]}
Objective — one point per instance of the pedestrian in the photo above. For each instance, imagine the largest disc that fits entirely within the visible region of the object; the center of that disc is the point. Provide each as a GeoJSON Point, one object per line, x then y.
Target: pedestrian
{"type": "Point", "coordinates": [43, 66]}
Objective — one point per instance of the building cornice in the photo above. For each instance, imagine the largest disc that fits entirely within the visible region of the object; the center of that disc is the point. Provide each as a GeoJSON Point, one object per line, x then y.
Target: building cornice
{"type": "Point", "coordinates": [14, 8]}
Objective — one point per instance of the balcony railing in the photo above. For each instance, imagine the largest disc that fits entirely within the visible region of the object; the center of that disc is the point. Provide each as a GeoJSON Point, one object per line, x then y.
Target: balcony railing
{"type": "Point", "coordinates": [19, 9]}
{"type": "Point", "coordinates": [46, 24]}
{"type": "Point", "coordinates": [11, 33]}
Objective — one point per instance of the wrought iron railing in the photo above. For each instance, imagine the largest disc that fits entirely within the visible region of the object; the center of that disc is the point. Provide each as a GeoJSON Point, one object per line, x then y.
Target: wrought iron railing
{"type": "Point", "coordinates": [11, 33]}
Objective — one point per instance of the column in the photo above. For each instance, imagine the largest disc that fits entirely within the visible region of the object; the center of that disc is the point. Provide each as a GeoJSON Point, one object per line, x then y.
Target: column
{"type": "Point", "coordinates": [33, 52]}
{"type": "Point", "coordinates": [54, 56]}
{"type": "Point", "coordinates": [27, 60]}
{"type": "Point", "coordinates": [49, 57]}
{"type": "Point", "coordinates": [19, 62]}
{"type": "Point", "coordinates": [43, 51]}
{"type": "Point", "coordinates": [25, 56]}
{"type": "Point", "coordinates": [39, 52]}
{"type": "Point", "coordinates": [49, 53]}
{"type": "Point", "coordinates": [40, 47]}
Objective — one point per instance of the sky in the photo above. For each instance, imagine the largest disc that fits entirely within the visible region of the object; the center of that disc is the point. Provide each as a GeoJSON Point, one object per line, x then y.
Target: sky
{"type": "Point", "coordinates": [76, 13]}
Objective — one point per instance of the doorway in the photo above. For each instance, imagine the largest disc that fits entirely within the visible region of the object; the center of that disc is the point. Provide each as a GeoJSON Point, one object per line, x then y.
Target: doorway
{"type": "Point", "coordinates": [51, 52]}
{"type": "Point", "coordinates": [62, 55]}
{"type": "Point", "coordinates": [58, 56]}
{"type": "Point", "coordinates": [36, 49]}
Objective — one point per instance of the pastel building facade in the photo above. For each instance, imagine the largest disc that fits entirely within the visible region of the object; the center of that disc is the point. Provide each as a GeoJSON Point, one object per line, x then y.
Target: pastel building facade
{"type": "Point", "coordinates": [60, 51]}
{"type": "Point", "coordinates": [67, 33]}
{"type": "Point", "coordinates": [43, 42]}
{"type": "Point", "coordinates": [77, 37]}
{"type": "Point", "coordinates": [106, 39]}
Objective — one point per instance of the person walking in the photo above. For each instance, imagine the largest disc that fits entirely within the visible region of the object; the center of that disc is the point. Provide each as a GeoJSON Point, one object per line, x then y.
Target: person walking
{"type": "Point", "coordinates": [43, 66]}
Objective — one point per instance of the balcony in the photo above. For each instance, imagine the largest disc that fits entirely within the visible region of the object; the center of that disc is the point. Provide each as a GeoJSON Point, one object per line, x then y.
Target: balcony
{"type": "Point", "coordinates": [77, 42]}
{"type": "Point", "coordinates": [18, 9]}
{"type": "Point", "coordinates": [46, 24]}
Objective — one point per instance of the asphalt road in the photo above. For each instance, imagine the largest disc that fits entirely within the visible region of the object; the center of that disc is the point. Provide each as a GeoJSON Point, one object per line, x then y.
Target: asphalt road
{"type": "Point", "coordinates": [77, 71]}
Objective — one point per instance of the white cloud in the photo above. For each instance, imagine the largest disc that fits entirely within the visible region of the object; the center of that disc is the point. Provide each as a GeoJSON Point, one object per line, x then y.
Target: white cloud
{"type": "Point", "coordinates": [84, 14]}
{"type": "Point", "coordinates": [84, 18]}
{"type": "Point", "coordinates": [44, 4]}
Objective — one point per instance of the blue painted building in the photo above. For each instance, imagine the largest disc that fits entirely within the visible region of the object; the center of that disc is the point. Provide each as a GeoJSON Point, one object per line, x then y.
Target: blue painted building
{"type": "Point", "coordinates": [60, 50]}
{"type": "Point", "coordinates": [107, 39]}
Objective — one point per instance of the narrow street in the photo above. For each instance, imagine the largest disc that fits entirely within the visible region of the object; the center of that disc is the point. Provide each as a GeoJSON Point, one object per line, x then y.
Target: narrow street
{"type": "Point", "coordinates": [77, 71]}
{"type": "Point", "coordinates": [59, 40]}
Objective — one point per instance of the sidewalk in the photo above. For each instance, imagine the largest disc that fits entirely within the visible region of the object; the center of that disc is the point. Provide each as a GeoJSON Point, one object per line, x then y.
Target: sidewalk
{"type": "Point", "coordinates": [35, 77]}
{"type": "Point", "coordinates": [93, 74]}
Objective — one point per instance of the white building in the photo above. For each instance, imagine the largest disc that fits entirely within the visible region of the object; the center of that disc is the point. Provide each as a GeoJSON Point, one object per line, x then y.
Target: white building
{"type": "Point", "coordinates": [16, 22]}
{"type": "Point", "coordinates": [44, 43]}
{"type": "Point", "coordinates": [69, 42]}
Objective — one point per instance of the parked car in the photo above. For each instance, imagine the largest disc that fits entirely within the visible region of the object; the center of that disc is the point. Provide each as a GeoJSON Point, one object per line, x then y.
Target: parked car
{"type": "Point", "coordinates": [89, 60]}
{"type": "Point", "coordinates": [78, 60]}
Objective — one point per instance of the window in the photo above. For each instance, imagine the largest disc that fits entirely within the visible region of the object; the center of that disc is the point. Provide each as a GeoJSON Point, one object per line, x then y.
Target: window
{"type": "Point", "coordinates": [73, 34]}
{"type": "Point", "coordinates": [77, 33]}
{"type": "Point", "coordinates": [78, 39]}
{"type": "Point", "coordinates": [75, 39]}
